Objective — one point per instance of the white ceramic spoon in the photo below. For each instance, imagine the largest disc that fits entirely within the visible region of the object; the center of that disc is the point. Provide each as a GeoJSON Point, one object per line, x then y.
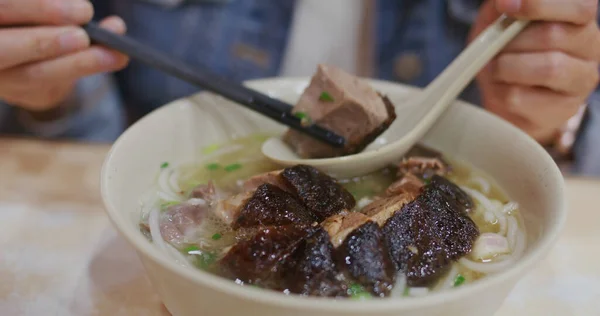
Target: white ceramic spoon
{"type": "Point", "coordinates": [416, 116]}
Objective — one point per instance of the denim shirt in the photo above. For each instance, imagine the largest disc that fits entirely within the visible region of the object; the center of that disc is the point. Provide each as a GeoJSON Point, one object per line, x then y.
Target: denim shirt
{"type": "Point", "coordinates": [415, 40]}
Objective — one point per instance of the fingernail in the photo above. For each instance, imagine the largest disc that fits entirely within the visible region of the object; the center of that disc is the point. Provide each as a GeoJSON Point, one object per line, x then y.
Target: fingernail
{"type": "Point", "coordinates": [73, 40]}
{"type": "Point", "coordinates": [78, 10]}
{"type": "Point", "coordinates": [510, 6]}
{"type": "Point", "coordinates": [106, 58]}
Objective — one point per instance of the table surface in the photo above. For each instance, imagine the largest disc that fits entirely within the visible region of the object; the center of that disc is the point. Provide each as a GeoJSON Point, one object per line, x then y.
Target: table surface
{"type": "Point", "coordinates": [60, 255]}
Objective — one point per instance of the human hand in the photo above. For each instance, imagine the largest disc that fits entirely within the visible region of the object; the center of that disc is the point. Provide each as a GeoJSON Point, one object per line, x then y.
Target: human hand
{"type": "Point", "coordinates": [548, 71]}
{"type": "Point", "coordinates": [44, 52]}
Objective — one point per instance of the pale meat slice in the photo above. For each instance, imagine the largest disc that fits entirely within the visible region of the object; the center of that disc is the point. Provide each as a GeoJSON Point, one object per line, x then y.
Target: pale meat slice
{"type": "Point", "coordinates": [273, 177]}
{"type": "Point", "coordinates": [379, 211]}
{"type": "Point", "coordinates": [178, 223]}
{"type": "Point", "coordinates": [339, 226]}
{"type": "Point", "coordinates": [228, 210]}
{"type": "Point", "coordinates": [409, 183]}
{"type": "Point", "coordinates": [382, 209]}
{"type": "Point", "coordinates": [345, 105]}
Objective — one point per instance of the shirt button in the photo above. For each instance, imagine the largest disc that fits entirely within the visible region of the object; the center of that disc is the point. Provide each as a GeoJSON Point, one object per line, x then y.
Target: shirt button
{"type": "Point", "coordinates": [408, 67]}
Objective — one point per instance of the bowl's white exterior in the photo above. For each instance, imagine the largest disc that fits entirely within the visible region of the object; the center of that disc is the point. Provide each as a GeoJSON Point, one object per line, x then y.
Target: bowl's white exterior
{"type": "Point", "coordinates": [176, 132]}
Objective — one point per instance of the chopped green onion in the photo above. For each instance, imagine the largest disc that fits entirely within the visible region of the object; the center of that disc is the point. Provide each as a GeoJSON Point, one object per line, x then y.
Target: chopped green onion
{"type": "Point", "coordinates": [166, 205]}
{"type": "Point", "coordinates": [233, 167]}
{"type": "Point", "coordinates": [206, 259]}
{"type": "Point", "coordinates": [357, 291]}
{"type": "Point", "coordinates": [210, 149]}
{"type": "Point", "coordinates": [325, 96]}
{"type": "Point", "coordinates": [427, 181]}
{"type": "Point", "coordinates": [212, 166]}
{"type": "Point", "coordinates": [304, 118]}
{"type": "Point", "coordinates": [191, 248]}
{"type": "Point", "coordinates": [164, 165]}
{"type": "Point", "coordinates": [459, 280]}
{"type": "Point", "coordinates": [362, 296]}
{"type": "Point", "coordinates": [216, 236]}
{"type": "Point", "coordinates": [406, 291]}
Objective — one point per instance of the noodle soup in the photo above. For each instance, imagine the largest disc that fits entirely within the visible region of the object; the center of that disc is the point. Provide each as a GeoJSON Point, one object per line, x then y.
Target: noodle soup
{"type": "Point", "coordinates": [193, 215]}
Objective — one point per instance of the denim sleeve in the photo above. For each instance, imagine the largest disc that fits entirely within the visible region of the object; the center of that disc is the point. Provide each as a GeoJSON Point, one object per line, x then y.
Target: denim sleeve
{"type": "Point", "coordinates": [99, 115]}
{"type": "Point", "coordinates": [587, 146]}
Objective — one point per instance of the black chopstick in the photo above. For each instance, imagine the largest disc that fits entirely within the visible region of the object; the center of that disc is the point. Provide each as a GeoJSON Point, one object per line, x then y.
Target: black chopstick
{"type": "Point", "coordinates": [254, 100]}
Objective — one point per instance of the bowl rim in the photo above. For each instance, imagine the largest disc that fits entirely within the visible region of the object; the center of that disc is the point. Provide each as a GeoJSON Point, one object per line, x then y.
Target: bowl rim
{"type": "Point", "coordinates": [227, 287]}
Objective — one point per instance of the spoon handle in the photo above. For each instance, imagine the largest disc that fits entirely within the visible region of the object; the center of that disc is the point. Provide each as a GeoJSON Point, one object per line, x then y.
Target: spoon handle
{"type": "Point", "coordinates": [448, 85]}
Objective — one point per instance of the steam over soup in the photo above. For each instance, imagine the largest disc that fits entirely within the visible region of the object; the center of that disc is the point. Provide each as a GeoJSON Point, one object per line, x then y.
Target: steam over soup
{"type": "Point", "coordinates": [418, 226]}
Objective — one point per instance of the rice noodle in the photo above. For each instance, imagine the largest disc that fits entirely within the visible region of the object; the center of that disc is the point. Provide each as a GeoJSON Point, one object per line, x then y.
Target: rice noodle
{"type": "Point", "coordinates": [196, 201]}
{"type": "Point", "coordinates": [512, 232]}
{"type": "Point", "coordinates": [399, 286]}
{"type": "Point", "coordinates": [418, 291]}
{"type": "Point", "coordinates": [167, 191]}
{"type": "Point", "coordinates": [503, 224]}
{"type": "Point", "coordinates": [173, 181]}
{"type": "Point", "coordinates": [510, 207]}
{"type": "Point", "coordinates": [482, 199]}
{"type": "Point", "coordinates": [448, 282]}
{"type": "Point", "coordinates": [223, 151]}
{"type": "Point", "coordinates": [493, 209]}
{"type": "Point", "coordinates": [485, 186]}
{"type": "Point", "coordinates": [154, 223]}
{"type": "Point", "coordinates": [516, 237]}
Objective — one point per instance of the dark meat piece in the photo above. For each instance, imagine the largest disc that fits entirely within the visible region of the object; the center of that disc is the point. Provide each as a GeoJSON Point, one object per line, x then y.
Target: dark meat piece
{"type": "Point", "coordinates": [255, 260]}
{"type": "Point", "coordinates": [429, 234]}
{"type": "Point", "coordinates": [343, 104]}
{"type": "Point", "coordinates": [365, 256]}
{"type": "Point", "coordinates": [271, 206]}
{"type": "Point", "coordinates": [319, 192]}
{"type": "Point", "coordinates": [311, 269]}
{"type": "Point", "coordinates": [453, 192]}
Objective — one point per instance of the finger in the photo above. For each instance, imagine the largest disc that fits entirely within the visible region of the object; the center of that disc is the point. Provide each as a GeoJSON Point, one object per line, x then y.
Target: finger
{"type": "Point", "coordinates": [53, 78]}
{"type": "Point", "coordinates": [578, 41]}
{"type": "Point", "coordinates": [537, 108]}
{"type": "Point", "coordinates": [573, 11]}
{"type": "Point", "coordinates": [55, 73]}
{"type": "Point", "coordinates": [26, 45]}
{"type": "Point", "coordinates": [81, 64]}
{"type": "Point", "coordinates": [46, 96]}
{"type": "Point", "coordinates": [114, 24]}
{"type": "Point", "coordinates": [23, 12]}
{"type": "Point", "coordinates": [554, 70]}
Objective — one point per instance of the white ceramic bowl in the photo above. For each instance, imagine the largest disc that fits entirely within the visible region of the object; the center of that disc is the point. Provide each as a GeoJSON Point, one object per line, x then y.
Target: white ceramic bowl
{"type": "Point", "coordinates": [177, 131]}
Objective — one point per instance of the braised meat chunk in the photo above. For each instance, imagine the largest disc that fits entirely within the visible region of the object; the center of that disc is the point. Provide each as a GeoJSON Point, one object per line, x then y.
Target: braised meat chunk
{"type": "Point", "coordinates": [306, 238]}
{"type": "Point", "coordinates": [345, 105]}
{"type": "Point", "coordinates": [463, 202]}
{"type": "Point", "coordinates": [319, 192]}
{"type": "Point", "coordinates": [365, 256]}
{"type": "Point", "coordinates": [271, 206]}
{"type": "Point", "coordinates": [256, 260]}
{"type": "Point", "coordinates": [311, 269]}
{"type": "Point", "coordinates": [429, 233]}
